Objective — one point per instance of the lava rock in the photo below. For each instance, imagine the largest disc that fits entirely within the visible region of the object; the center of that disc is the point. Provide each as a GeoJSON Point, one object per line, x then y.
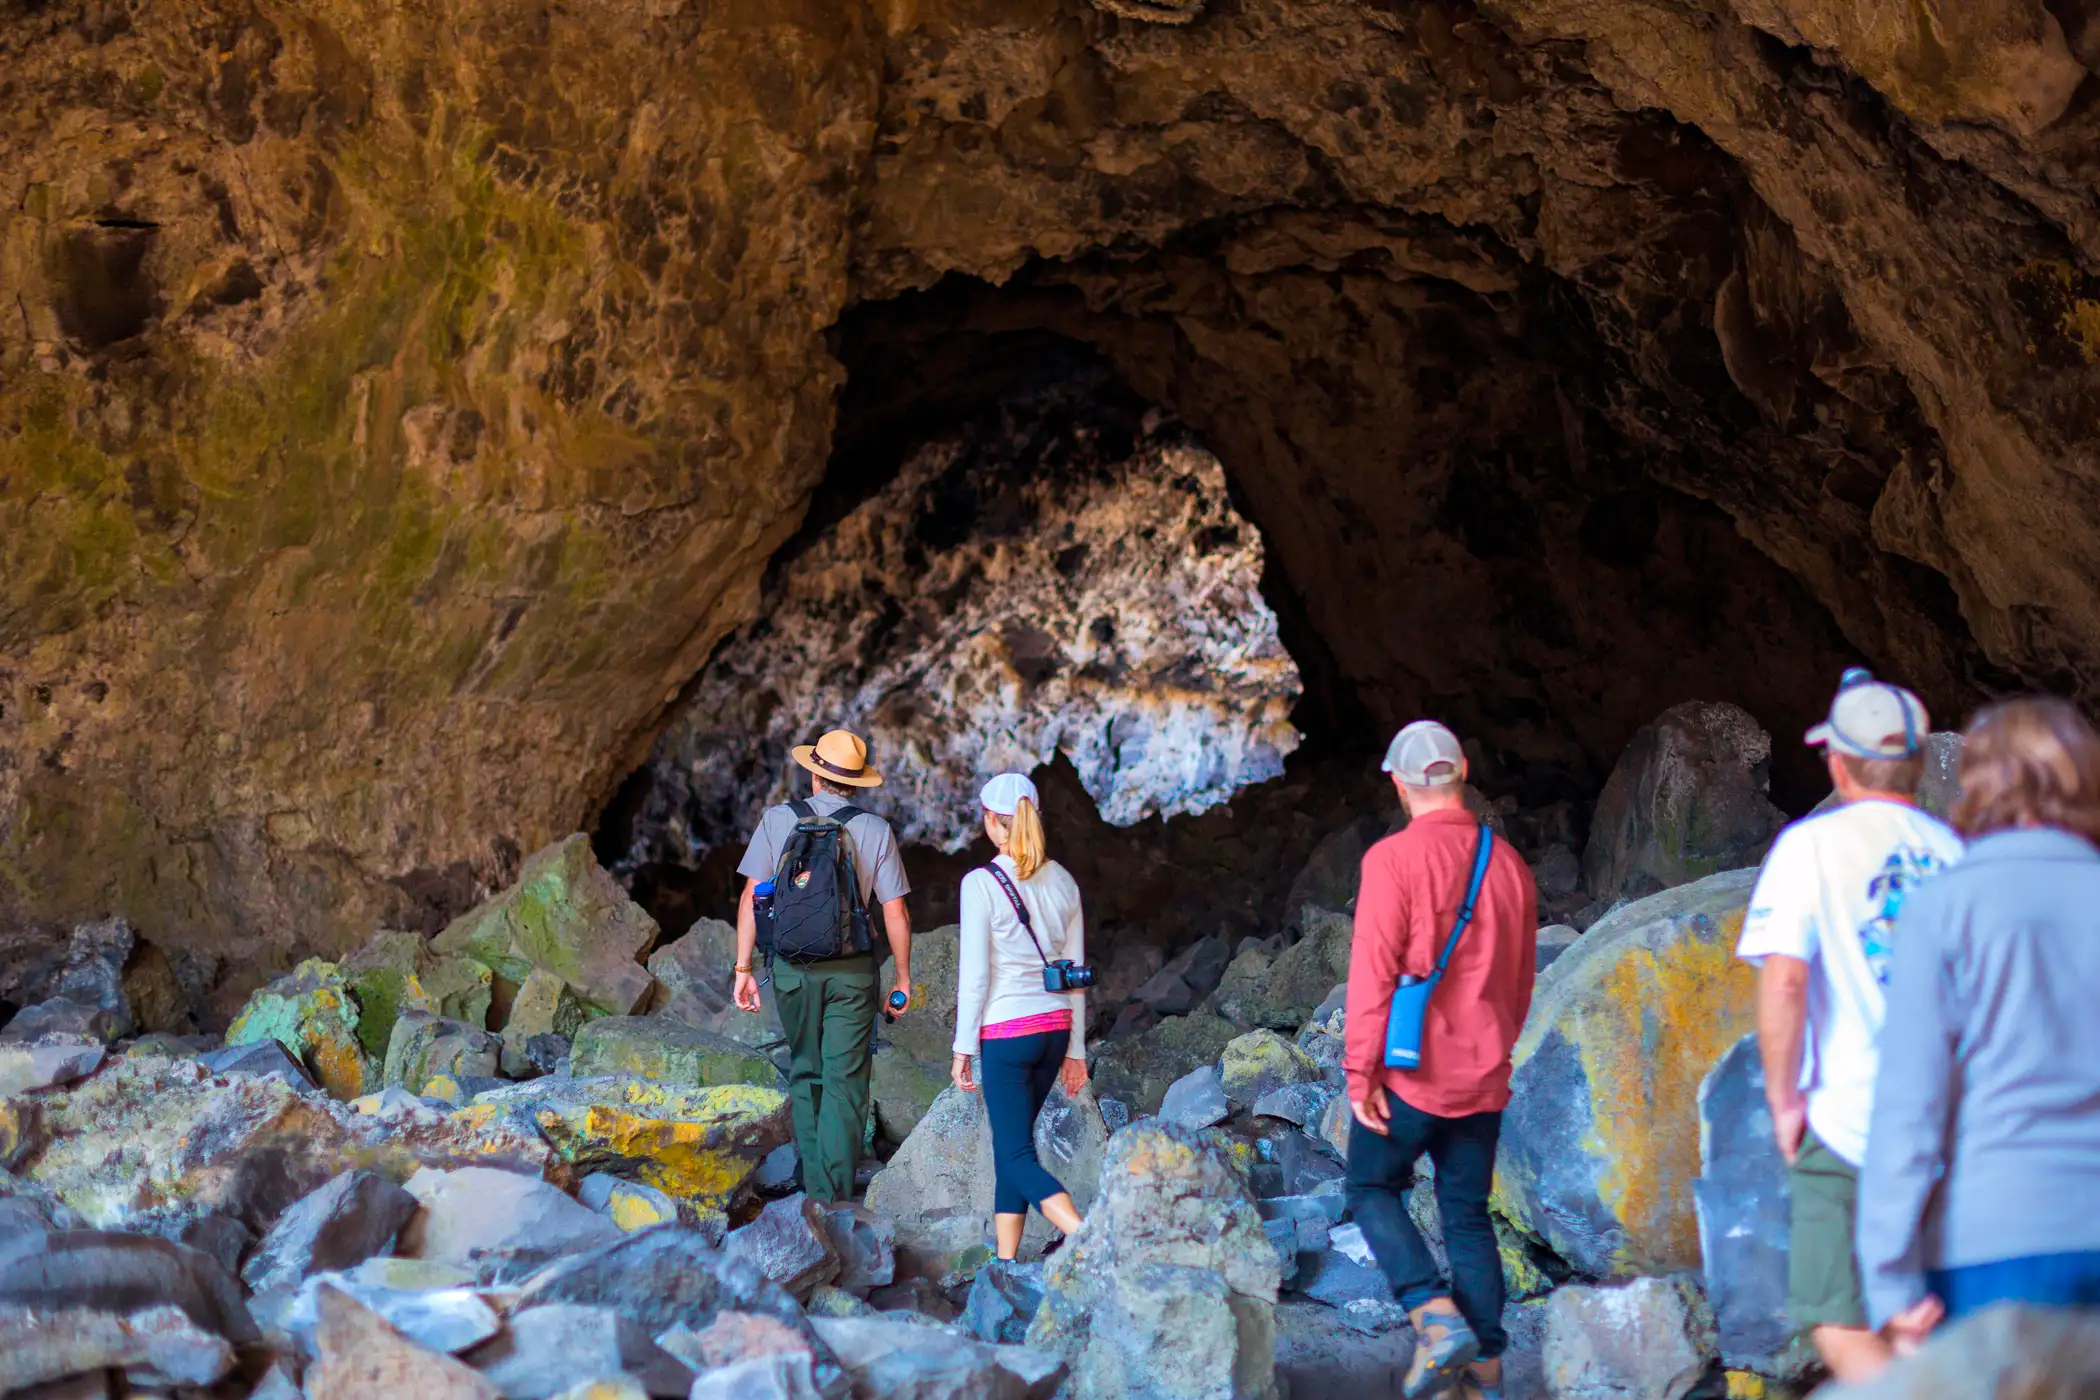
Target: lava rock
{"type": "Point", "coordinates": [779, 1172]}
{"type": "Point", "coordinates": [43, 1344]}
{"type": "Point", "coordinates": [424, 1046]}
{"type": "Point", "coordinates": [921, 1298]}
{"type": "Point", "coordinates": [86, 968]}
{"type": "Point", "coordinates": [913, 1052]}
{"type": "Point", "coordinates": [631, 1205]}
{"type": "Point", "coordinates": [395, 971]}
{"type": "Point", "coordinates": [310, 1012]}
{"type": "Point", "coordinates": [827, 1301]}
{"type": "Point", "coordinates": [938, 1189]}
{"type": "Point", "coordinates": [557, 1346]}
{"type": "Point", "coordinates": [1328, 879]}
{"type": "Point", "coordinates": [1554, 940]}
{"type": "Point", "coordinates": [1260, 1063]}
{"type": "Point", "coordinates": [1310, 1217]}
{"type": "Point", "coordinates": [566, 916]}
{"type": "Point", "coordinates": [1196, 1100]}
{"type": "Point", "coordinates": [1687, 799]}
{"type": "Point", "coordinates": [262, 1058]}
{"type": "Point", "coordinates": [433, 1305]}
{"type": "Point", "coordinates": [121, 1274]}
{"type": "Point", "coordinates": [222, 1237]}
{"type": "Point", "coordinates": [499, 1224]}
{"type": "Point", "coordinates": [1139, 1071]}
{"type": "Point", "coordinates": [346, 1222]}
{"type": "Point", "coordinates": [790, 1244]}
{"type": "Point", "coordinates": [359, 1357]}
{"type": "Point", "coordinates": [1600, 1145]}
{"type": "Point", "coordinates": [543, 1007]}
{"type": "Point", "coordinates": [1743, 1202]}
{"type": "Point", "coordinates": [1071, 1141]}
{"type": "Point", "coordinates": [866, 1244]}
{"type": "Point", "coordinates": [39, 1064]}
{"type": "Point", "coordinates": [1304, 1104]}
{"type": "Point", "coordinates": [1192, 975]}
{"type": "Point", "coordinates": [890, 1359]}
{"type": "Point", "coordinates": [1286, 990]}
{"type": "Point", "coordinates": [665, 1051]}
{"type": "Point", "coordinates": [760, 1378]}
{"type": "Point", "coordinates": [1169, 1286]}
{"type": "Point", "coordinates": [2008, 1352]}
{"type": "Point", "coordinates": [1939, 786]}
{"type": "Point", "coordinates": [61, 1019]}
{"type": "Point", "coordinates": [695, 980]}
{"type": "Point", "coordinates": [1652, 1339]}
{"type": "Point", "coordinates": [1003, 1301]}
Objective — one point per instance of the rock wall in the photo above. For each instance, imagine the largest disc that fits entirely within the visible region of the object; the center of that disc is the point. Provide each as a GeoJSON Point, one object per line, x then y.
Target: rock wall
{"type": "Point", "coordinates": [398, 403]}
{"type": "Point", "coordinates": [1064, 576]}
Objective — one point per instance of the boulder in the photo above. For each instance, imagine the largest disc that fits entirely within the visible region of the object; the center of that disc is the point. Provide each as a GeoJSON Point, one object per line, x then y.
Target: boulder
{"type": "Point", "coordinates": [395, 971]}
{"type": "Point", "coordinates": [118, 1274]}
{"type": "Point", "coordinates": [1261, 1062]}
{"type": "Point", "coordinates": [866, 1244]}
{"type": "Point", "coordinates": [2003, 1353]}
{"type": "Point", "coordinates": [425, 1046]}
{"type": "Point", "coordinates": [1742, 1201]}
{"type": "Point", "coordinates": [890, 1359]}
{"type": "Point", "coordinates": [1290, 986]}
{"type": "Point", "coordinates": [1190, 976]}
{"type": "Point", "coordinates": [543, 1007]}
{"type": "Point", "coordinates": [262, 1058]}
{"type": "Point", "coordinates": [1196, 1100]}
{"type": "Point", "coordinates": [1600, 1145]}
{"type": "Point", "coordinates": [39, 1064]}
{"type": "Point", "coordinates": [567, 916]}
{"type": "Point", "coordinates": [1304, 1105]}
{"type": "Point", "coordinates": [498, 1224]}
{"type": "Point", "coordinates": [222, 1237]}
{"type": "Point", "coordinates": [789, 1242]}
{"type": "Point", "coordinates": [86, 968]}
{"type": "Point", "coordinates": [695, 982]}
{"type": "Point", "coordinates": [1003, 1301]}
{"type": "Point", "coordinates": [359, 1357]}
{"type": "Point", "coordinates": [1169, 1287]}
{"type": "Point", "coordinates": [1071, 1141]}
{"type": "Point", "coordinates": [1939, 786]}
{"type": "Point", "coordinates": [913, 1052]}
{"type": "Point", "coordinates": [1554, 940]}
{"type": "Point", "coordinates": [1651, 1339]}
{"type": "Point", "coordinates": [778, 1377]}
{"type": "Point", "coordinates": [668, 1052]}
{"type": "Point", "coordinates": [631, 1205]}
{"type": "Point", "coordinates": [1329, 876]}
{"type": "Point", "coordinates": [39, 1345]}
{"type": "Point", "coordinates": [346, 1222]}
{"type": "Point", "coordinates": [938, 1186]}
{"type": "Point", "coordinates": [60, 1018]}
{"type": "Point", "coordinates": [1688, 799]}
{"type": "Point", "coordinates": [697, 1145]}
{"type": "Point", "coordinates": [558, 1347]}
{"type": "Point", "coordinates": [433, 1305]}
{"type": "Point", "coordinates": [310, 1012]}
{"type": "Point", "coordinates": [1137, 1072]}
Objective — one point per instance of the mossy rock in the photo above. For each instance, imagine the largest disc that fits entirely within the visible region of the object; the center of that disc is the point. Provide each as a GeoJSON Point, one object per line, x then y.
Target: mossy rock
{"type": "Point", "coordinates": [424, 1047]}
{"type": "Point", "coordinates": [567, 916]}
{"type": "Point", "coordinates": [665, 1051]}
{"type": "Point", "coordinates": [395, 972]}
{"type": "Point", "coordinates": [1137, 1072]}
{"type": "Point", "coordinates": [1260, 1061]}
{"type": "Point", "coordinates": [311, 1013]}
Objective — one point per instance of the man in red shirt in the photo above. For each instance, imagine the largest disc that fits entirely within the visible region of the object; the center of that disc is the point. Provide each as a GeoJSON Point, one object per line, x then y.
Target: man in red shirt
{"type": "Point", "coordinates": [1451, 1105]}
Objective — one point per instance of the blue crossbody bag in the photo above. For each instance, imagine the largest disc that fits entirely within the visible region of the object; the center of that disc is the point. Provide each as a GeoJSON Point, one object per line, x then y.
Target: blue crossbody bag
{"type": "Point", "coordinates": [1403, 1028]}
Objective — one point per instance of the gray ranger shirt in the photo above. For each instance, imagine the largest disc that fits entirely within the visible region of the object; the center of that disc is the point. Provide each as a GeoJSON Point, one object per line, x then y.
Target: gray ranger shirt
{"type": "Point", "coordinates": [876, 859]}
{"type": "Point", "coordinates": [1985, 1139]}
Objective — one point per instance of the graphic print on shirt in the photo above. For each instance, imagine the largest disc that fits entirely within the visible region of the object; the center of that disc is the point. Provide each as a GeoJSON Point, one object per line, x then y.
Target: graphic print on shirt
{"type": "Point", "coordinates": [1900, 873]}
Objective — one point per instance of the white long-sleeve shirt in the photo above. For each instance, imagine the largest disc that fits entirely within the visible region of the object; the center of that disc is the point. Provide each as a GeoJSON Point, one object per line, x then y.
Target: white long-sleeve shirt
{"type": "Point", "coordinates": [1000, 977]}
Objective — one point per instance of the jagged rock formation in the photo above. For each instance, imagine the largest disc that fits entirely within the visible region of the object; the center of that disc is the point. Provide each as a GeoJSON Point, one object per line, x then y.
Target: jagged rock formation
{"type": "Point", "coordinates": [1058, 579]}
{"type": "Point", "coordinates": [398, 403]}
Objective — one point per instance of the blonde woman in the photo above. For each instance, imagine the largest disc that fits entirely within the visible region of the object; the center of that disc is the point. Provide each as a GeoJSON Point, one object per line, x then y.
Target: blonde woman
{"type": "Point", "coordinates": [1020, 916]}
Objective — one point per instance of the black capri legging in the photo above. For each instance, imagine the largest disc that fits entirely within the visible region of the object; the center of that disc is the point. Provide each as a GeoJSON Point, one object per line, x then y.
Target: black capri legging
{"type": "Point", "coordinates": [1017, 1076]}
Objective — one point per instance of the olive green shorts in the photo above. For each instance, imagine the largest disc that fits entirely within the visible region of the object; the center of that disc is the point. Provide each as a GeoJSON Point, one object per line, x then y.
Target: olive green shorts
{"type": "Point", "coordinates": [1822, 1271]}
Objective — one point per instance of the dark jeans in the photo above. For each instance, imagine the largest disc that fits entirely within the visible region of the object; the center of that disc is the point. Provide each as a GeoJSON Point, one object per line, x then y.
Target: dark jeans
{"type": "Point", "coordinates": [2045, 1280]}
{"type": "Point", "coordinates": [1016, 1077]}
{"type": "Point", "coordinates": [1382, 1171]}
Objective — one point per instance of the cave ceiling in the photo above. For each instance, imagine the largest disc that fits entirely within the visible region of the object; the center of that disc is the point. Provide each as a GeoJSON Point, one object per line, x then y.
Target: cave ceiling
{"type": "Point", "coordinates": [398, 402]}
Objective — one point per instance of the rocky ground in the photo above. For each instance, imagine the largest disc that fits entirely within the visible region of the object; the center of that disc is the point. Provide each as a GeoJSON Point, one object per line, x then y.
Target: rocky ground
{"type": "Point", "coordinates": [540, 1156]}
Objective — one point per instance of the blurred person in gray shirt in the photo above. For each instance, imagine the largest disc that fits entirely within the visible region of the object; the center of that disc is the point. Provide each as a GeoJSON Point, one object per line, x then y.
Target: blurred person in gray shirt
{"type": "Point", "coordinates": [1983, 1150]}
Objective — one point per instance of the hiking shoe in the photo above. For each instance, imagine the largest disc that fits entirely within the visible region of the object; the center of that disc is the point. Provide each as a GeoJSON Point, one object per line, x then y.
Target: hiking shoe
{"type": "Point", "coordinates": [1444, 1347]}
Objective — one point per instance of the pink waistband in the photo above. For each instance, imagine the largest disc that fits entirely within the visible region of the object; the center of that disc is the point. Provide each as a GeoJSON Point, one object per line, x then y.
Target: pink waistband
{"type": "Point", "coordinates": [1042, 1023]}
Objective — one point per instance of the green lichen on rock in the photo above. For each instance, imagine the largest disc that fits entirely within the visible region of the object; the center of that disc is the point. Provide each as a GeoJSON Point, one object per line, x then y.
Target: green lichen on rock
{"type": "Point", "coordinates": [663, 1050]}
{"type": "Point", "coordinates": [311, 1013]}
{"type": "Point", "coordinates": [1260, 1061]}
{"type": "Point", "coordinates": [424, 1047]}
{"type": "Point", "coordinates": [395, 972]}
{"type": "Point", "coordinates": [1137, 1072]}
{"type": "Point", "coordinates": [567, 916]}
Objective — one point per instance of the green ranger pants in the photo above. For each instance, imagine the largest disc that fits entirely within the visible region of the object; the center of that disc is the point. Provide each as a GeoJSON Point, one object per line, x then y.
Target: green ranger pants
{"type": "Point", "coordinates": [828, 1010]}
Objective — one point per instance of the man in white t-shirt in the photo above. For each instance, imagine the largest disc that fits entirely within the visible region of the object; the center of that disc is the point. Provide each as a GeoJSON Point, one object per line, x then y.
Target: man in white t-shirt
{"type": "Point", "coordinates": [1818, 928]}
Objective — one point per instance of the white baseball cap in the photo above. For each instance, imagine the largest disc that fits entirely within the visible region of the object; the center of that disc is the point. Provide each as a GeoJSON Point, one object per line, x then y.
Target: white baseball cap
{"type": "Point", "coordinates": [1003, 794]}
{"type": "Point", "coordinates": [1425, 754]}
{"type": "Point", "coordinates": [1873, 719]}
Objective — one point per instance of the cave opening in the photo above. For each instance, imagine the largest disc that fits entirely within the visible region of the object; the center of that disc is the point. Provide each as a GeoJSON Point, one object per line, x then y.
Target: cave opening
{"type": "Point", "coordinates": [1452, 522]}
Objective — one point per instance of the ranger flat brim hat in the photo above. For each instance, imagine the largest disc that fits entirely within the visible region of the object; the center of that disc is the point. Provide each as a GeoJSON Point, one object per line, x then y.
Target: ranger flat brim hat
{"type": "Point", "coordinates": [840, 756]}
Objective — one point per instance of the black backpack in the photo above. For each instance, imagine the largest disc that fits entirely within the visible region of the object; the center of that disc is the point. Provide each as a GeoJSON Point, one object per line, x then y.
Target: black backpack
{"type": "Point", "coordinates": [816, 911]}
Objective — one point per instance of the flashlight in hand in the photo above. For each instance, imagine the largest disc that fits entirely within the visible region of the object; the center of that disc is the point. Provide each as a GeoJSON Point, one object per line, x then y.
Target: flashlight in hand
{"type": "Point", "coordinates": [895, 1007]}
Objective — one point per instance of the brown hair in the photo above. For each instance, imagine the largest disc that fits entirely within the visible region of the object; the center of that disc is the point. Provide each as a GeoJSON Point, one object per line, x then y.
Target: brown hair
{"type": "Point", "coordinates": [1885, 774]}
{"type": "Point", "coordinates": [2030, 762]}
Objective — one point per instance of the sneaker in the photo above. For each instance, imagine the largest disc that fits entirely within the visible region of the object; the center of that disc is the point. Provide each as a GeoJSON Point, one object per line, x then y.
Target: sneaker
{"type": "Point", "coordinates": [1444, 1347]}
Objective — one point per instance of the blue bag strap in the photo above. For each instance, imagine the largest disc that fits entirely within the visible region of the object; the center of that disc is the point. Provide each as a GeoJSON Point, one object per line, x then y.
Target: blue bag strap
{"type": "Point", "coordinates": [1482, 850]}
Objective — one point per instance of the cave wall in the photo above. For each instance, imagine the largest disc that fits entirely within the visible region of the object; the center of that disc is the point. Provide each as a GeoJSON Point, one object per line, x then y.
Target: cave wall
{"type": "Point", "coordinates": [398, 402]}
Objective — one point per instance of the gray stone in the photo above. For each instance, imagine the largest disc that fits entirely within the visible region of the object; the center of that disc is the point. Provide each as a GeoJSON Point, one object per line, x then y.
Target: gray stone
{"type": "Point", "coordinates": [43, 1344]}
{"type": "Point", "coordinates": [424, 1046]}
{"type": "Point", "coordinates": [121, 1274]}
{"type": "Point", "coordinates": [346, 1222]}
{"type": "Point", "coordinates": [1196, 1100]}
{"type": "Point", "coordinates": [62, 1019]}
{"type": "Point", "coordinates": [790, 1244]}
{"type": "Point", "coordinates": [1330, 1276]}
{"type": "Point", "coordinates": [1192, 975]}
{"type": "Point", "coordinates": [433, 1305]}
{"type": "Point", "coordinates": [1554, 940]}
{"type": "Point", "coordinates": [1071, 1141]}
{"type": "Point", "coordinates": [913, 1052]}
{"type": "Point", "coordinates": [1651, 1339]}
{"type": "Point", "coordinates": [1742, 1195]}
{"type": "Point", "coordinates": [557, 1346]}
{"type": "Point", "coordinates": [866, 1244]}
{"type": "Point", "coordinates": [1939, 787]}
{"type": "Point", "coordinates": [277, 1384]}
{"type": "Point", "coordinates": [918, 1296]}
{"type": "Point", "coordinates": [937, 1186]}
{"type": "Point", "coordinates": [1687, 799]}
{"type": "Point", "coordinates": [548, 1053]}
{"type": "Point", "coordinates": [1328, 878]}
{"type": "Point", "coordinates": [777, 1377]}
{"type": "Point", "coordinates": [890, 1359]}
{"type": "Point", "coordinates": [1302, 1104]}
{"type": "Point", "coordinates": [86, 969]}
{"type": "Point", "coordinates": [631, 1205]}
{"type": "Point", "coordinates": [1284, 1235]}
{"type": "Point", "coordinates": [1600, 1144]}
{"type": "Point", "coordinates": [39, 1064]}
{"type": "Point", "coordinates": [222, 1237]}
{"type": "Point", "coordinates": [360, 1357]}
{"type": "Point", "coordinates": [499, 1224]}
{"type": "Point", "coordinates": [1169, 1287]}
{"type": "Point", "coordinates": [667, 1051]}
{"type": "Point", "coordinates": [2008, 1352]}
{"type": "Point", "coordinates": [1139, 1071]}
{"type": "Point", "coordinates": [827, 1301]}
{"type": "Point", "coordinates": [783, 1165]}
{"type": "Point", "coordinates": [1003, 1299]}
{"type": "Point", "coordinates": [1310, 1217]}
{"type": "Point", "coordinates": [1261, 1062]}
{"type": "Point", "coordinates": [262, 1058]}
{"type": "Point", "coordinates": [1289, 989]}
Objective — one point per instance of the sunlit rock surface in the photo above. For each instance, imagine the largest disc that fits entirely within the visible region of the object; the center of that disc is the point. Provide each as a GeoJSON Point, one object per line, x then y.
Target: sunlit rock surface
{"type": "Point", "coordinates": [1064, 575]}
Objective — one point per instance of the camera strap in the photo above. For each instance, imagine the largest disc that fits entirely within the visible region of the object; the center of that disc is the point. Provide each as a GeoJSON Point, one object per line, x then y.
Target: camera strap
{"type": "Point", "coordinates": [1013, 897]}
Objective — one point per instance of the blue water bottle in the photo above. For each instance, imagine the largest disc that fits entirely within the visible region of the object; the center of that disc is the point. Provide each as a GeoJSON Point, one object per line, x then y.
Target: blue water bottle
{"type": "Point", "coordinates": [762, 899]}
